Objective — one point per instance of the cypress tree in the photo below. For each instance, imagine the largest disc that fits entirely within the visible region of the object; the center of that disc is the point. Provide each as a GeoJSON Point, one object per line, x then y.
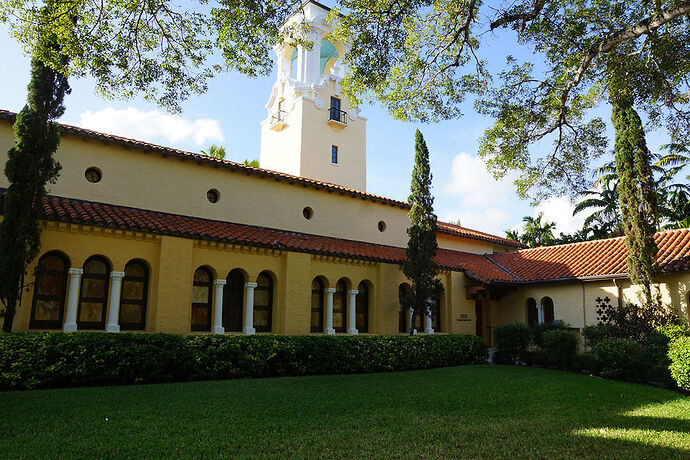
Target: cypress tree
{"type": "Point", "coordinates": [636, 194]}
{"type": "Point", "coordinates": [30, 166]}
{"type": "Point", "coordinates": [419, 266]}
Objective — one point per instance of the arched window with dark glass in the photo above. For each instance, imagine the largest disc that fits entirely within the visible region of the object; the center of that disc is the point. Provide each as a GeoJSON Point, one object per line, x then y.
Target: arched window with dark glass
{"type": "Point", "coordinates": [263, 303]}
{"type": "Point", "coordinates": [135, 286]}
{"type": "Point", "coordinates": [201, 300]}
{"type": "Point", "coordinates": [233, 301]}
{"type": "Point", "coordinates": [532, 313]}
{"type": "Point", "coordinates": [547, 305]}
{"type": "Point", "coordinates": [403, 290]}
{"type": "Point", "coordinates": [93, 293]}
{"type": "Point", "coordinates": [340, 306]}
{"type": "Point", "coordinates": [317, 291]}
{"type": "Point", "coordinates": [362, 308]}
{"type": "Point", "coordinates": [48, 304]}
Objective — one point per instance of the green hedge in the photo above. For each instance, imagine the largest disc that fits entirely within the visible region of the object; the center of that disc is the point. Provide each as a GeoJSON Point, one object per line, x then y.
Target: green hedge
{"type": "Point", "coordinates": [511, 341]}
{"type": "Point", "coordinates": [679, 353]}
{"type": "Point", "coordinates": [560, 347]}
{"type": "Point", "coordinates": [51, 360]}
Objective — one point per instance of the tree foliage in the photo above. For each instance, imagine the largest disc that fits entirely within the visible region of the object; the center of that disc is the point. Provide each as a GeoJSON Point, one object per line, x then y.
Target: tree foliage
{"type": "Point", "coordinates": [30, 166]}
{"type": "Point", "coordinates": [419, 266]}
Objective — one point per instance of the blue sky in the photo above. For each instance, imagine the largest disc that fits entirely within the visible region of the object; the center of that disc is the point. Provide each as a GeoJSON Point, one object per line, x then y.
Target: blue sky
{"type": "Point", "coordinates": [230, 112]}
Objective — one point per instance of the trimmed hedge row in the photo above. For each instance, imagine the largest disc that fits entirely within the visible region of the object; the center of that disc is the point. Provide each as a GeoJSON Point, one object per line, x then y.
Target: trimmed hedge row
{"type": "Point", "coordinates": [52, 360]}
{"type": "Point", "coordinates": [679, 353]}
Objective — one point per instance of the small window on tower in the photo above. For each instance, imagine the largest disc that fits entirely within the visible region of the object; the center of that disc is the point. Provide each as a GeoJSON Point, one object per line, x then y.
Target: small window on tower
{"type": "Point", "coordinates": [334, 154]}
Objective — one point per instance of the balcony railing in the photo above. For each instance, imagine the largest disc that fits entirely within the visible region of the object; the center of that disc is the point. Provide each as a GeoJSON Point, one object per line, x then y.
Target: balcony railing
{"type": "Point", "coordinates": [278, 117]}
{"type": "Point", "coordinates": [337, 115]}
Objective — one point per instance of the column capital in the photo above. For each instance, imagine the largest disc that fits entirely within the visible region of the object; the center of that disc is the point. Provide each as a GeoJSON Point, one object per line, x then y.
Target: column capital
{"type": "Point", "coordinates": [250, 284]}
{"type": "Point", "coordinates": [220, 282]}
{"type": "Point", "coordinates": [353, 292]}
{"type": "Point", "coordinates": [117, 275]}
{"type": "Point", "coordinates": [75, 271]}
{"type": "Point", "coordinates": [330, 290]}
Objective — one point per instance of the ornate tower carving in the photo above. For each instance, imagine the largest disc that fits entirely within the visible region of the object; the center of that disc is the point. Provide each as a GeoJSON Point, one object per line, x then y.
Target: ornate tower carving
{"type": "Point", "coordinates": [311, 130]}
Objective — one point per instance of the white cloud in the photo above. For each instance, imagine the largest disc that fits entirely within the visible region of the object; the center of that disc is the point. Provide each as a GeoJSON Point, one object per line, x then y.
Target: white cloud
{"type": "Point", "coordinates": [491, 220]}
{"type": "Point", "coordinates": [153, 126]}
{"type": "Point", "coordinates": [559, 209]}
{"type": "Point", "coordinates": [475, 186]}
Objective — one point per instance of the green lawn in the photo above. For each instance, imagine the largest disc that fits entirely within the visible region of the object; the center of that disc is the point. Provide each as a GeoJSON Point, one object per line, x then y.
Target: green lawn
{"type": "Point", "coordinates": [470, 411]}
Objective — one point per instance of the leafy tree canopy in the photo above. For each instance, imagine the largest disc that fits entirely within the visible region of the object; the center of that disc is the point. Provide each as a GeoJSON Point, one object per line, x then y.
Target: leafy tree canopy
{"type": "Point", "coordinates": [420, 58]}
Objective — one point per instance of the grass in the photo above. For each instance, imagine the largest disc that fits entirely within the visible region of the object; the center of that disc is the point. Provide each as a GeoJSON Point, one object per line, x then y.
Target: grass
{"type": "Point", "coordinates": [470, 411]}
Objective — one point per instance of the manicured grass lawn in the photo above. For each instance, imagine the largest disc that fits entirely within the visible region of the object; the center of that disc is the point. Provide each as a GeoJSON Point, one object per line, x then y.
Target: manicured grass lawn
{"type": "Point", "coordinates": [471, 411]}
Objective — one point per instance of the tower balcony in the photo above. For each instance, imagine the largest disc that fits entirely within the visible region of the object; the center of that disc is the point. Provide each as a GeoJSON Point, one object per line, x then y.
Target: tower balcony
{"type": "Point", "coordinates": [278, 120]}
{"type": "Point", "coordinates": [337, 117]}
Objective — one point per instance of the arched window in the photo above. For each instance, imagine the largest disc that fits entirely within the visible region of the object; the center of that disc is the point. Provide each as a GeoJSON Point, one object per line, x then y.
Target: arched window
{"type": "Point", "coordinates": [532, 313]}
{"type": "Point", "coordinates": [403, 290]}
{"type": "Point", "coordinates": [263, 303]}
{"type": "Point", "coordinates": [339, 306]}
{"type": "Point", "coordinates": [362, 308]}
{"type": "Point", "coordinates": [135, 286]}
{"type": "Point", "coordinates": [48, 305]}
{"type": "Point", "coordinates": [201, 300]}
{"type": "Point", "coordinates": [547, 305]}
{"type": "Point", "coordinates": [233, 301]}
{"type": "Point", "coordinates": [93, 294]}
{"type": "Point", "coordinates": [317, 291]}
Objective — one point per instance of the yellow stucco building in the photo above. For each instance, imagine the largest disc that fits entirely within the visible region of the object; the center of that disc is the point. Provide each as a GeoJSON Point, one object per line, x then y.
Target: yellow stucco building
{"type": "Point", "coordinates": [142, 237]}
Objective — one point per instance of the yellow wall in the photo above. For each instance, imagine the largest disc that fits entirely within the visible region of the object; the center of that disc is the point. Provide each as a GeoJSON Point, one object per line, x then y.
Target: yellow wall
{"type": "Point", "coordinates": [149, 181]}
{"type": "Point", "coordinates": [172, 262]}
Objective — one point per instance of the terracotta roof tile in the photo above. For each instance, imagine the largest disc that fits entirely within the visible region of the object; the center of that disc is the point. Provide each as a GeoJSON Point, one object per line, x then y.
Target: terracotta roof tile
{"type": "Point", "coordinates": [451, 229]}
{"type": "Point", "coordinates": [592, 258]}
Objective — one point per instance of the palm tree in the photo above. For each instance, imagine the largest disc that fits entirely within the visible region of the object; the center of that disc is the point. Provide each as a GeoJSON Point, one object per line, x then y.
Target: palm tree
{"type": "Point", "coordinates": [512, 235]}
{"type": "Point", "coordinates": [605, 203]}
{"type": "Point", "coordinates": [538, 233]}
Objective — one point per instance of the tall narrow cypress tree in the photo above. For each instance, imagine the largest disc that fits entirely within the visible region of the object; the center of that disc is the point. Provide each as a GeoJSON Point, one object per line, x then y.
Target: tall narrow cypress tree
{"type": "Point", "coordinates": [30, 166]}
{"type": "Point", "coordinates": [419, 266]}
{"type": "Point", "coordinates": [636, 193]}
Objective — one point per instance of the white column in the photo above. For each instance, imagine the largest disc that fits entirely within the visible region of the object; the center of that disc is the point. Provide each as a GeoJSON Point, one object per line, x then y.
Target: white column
{"type": "Point", "coordinates": [114, 312]}
{"type": "Point", "coordinates": [409, 321]}
{"type": "Point", "coordinates": [314, 65]}
{"type": "Point", "coordinates": [72, 300]}
{"type": "Point", "coordinates": [249, 309]}
{"type": "Point", "coordinates": [540, 313]}
{"type": "Point", "coordinates": [329, 311]}
{"type": "Point", "coordinates": [428, 329]}
{"type": "Point", "coordinates": [218, 307]}
{"type": "Point", "coordinates": [352, 311]}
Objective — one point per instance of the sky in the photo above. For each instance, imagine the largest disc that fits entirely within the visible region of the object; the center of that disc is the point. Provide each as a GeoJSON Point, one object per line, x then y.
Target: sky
{"type": "Point", "coordinates": [230, 112]}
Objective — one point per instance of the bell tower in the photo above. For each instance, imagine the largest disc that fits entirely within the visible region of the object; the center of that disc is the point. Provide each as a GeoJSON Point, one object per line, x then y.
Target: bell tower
{"type": "Point", "coordinates": [311, 130]}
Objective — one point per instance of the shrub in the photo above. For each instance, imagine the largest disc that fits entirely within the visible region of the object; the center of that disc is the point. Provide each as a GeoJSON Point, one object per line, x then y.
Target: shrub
{"type": "Point", "coordinates": [679, 353]}
{"type": "Point", "coordinates": [51, 360]}
{"type": "Point", "coordinates": [587, 362]}
{"type": "Point", "coordinates": [560, 347]}
{"type": "Point", "coordinates": [621, 359]}
{"type": "Point", "coordinates": [595, 334]}
{"type": "Point", "coordinates": [535, 357]}
{"type": "Point", "coordinates": [511, 341]}
{"type": "Point", "coordinates": [539, 330]}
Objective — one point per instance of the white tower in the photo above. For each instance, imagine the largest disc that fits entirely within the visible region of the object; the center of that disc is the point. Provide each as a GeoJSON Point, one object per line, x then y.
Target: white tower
{"type": "Point", "coordinates": [311, 130]}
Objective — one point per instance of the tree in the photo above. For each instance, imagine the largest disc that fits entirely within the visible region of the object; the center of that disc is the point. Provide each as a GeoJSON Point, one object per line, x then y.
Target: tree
{"type": "Point", "coordinates": [30, 166]}
{"type": "Point", "coordinates": [537, 233]}
{"type": "Point", "coordinates": [605, 205]}
{"type": "Point", "coordinates": [253, 163]}
{"type": "Point", "coordinates": [215, 152]}
{"type": "Point", "coordinates": [419, 266]}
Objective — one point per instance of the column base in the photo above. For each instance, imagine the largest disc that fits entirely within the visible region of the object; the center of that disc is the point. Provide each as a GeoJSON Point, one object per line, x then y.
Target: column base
{"type": "Point", "coordinates": [112, 328]}
{"type": "Point", "coordinates": [218, 330]}
{"type": "Point", "coordinates": [428, 331]}
{"type": "Point", "coordinates": [249, 330]}
{"type": "Point", "coordinates": [69, 327]}
{"type": "Point", "coordinates": [330, 331]}
{"type": "Point", "coordinates": [352, 331]}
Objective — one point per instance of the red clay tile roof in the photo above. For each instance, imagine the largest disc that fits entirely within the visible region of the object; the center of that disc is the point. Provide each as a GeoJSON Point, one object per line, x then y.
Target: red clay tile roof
{"type": "Point", "coordinates": [457, 230]}
{"type": "Point", "coordinates": [250, 170]}
{"type": "Point", "coordinates": [68, 210]}
{"type": "Point", "coordinates": [592, 258]}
